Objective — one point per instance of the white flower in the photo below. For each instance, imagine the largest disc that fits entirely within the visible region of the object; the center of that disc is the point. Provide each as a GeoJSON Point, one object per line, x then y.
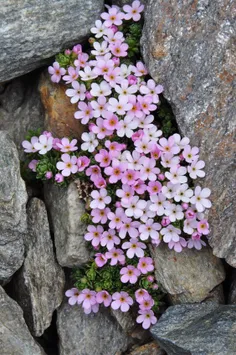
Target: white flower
{"type": "Point", "coordinates": [126, 127]}
{"type": "Point", "coordinates": [100, 199]}
{"type": "Point", "coordinates": [194, 169]}
{"type": "Point", "coordinates": [124, 90]}
{"type": "Point", "coordinates": [149, 229]}
{"type": "Point", "coordinates": [44, 144]}
{"type": "Point", "coordinates": [99, 30]}
{"type": "Point", "coordinates": [169, 191]}
{"type": "Point", "coordinates": [168, 160]}
{"type": "Point", "coordinates": [100, 48]}
{"type": "Point", "coordinates": [152, 133]}
{"type": "Point", "coordinates": [177, 175]}
{"type": "Point", "coordinates": [90, 142]}
{"type": "Point", "coordinates": [181, 143]}
{"type": "Point", "coordinates": [174, 212]}
{"type": "Point", "coordinates": [103, 89]}
{"type": "Point", "coordinates": [183, 193]}
{"type": "Point", "coordinates": [135, 207]}
{"type": "Point", "coordinates": [189, 226]}
{"type": "Point", "coordinates": [170, 234]}
{"type": "Point", "coordinates": [133, 159]}
{"type": "Point", "coordinates": [87, 74]}
{"type": "Point", "coordinates": [200, 198]}
{"type": "Point", "coordinates": [158, 204]}
{"type": "Point", "coordinates": [147, 213]}
{"type": "Point", "coordinates": [77, 93]}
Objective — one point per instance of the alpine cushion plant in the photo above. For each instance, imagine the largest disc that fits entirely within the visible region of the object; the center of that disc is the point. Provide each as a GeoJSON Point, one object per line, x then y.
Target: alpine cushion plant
{"type": "Point", "coordinates": [140, 183]}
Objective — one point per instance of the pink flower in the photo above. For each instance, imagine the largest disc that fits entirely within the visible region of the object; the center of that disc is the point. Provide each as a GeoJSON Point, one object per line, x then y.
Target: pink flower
{"type": "Point", "coordinates": [104, 297]}
{"type": "Point", "coordinates": [73, 75]}
{"type": "Point", "coordinates": [54, 143]}
{"type": "Point", "coordinates": [29, 146]}
{"type": "Point", "coordinates": [143, 145]}
{"type": "Point", "coordinates": [200, 198]}
{"type": "Point", "coordinates": [113, 17]}
{"type": "Point", "coordinates": [119, 49]}
{"type": "Point", "coordinates": [203, 227]}
{"type": "Point", "coordinates": [146, 104]}
{"type": "Point", "coordinates": [77, 49]}
{"type": "Point", "coordinates": [125, 193]}
{"type": "Point", "coordinates": [73, 295]}
{"type": "Point", "coordinates": [149, 229]}
{"type": "Point", "coordinates": [133, 11]}
{"type": "Point", "coordinates": [130, 176]}
{"type": "Point", "coordinates": [165, 221]}
{"type": "Point", "coordinates": [56, 71]}
{"type": "Point", "coordinates": [59, 178]}
{"type": "Point", "coordinates": [32, 165]}
{"type": "Point", "coordinates": [141, 294]}
{"type": "Point", "coordinates": [121, 300]}
{"type": "Point", "coordinates": [134, 248]}
{"type": "Point", "coordinates": [66, 146]}
{"type": "Point", "coordinates": [100, 259]}
{"type": "Point", "coordinates": [116, 255]}
{"type": "Point", "coordinates": [82, 60]}
{"type": "Point", "coordinates": [104, 66]}
{"type": "Point", "coordinates": [68, 165]}
{"type": "Point", "coordinates": [148, 169]}
{"type": "Point", "coordinates": [146, 318]}
{"type": "Point", "coordinates": [111, 122]}
{"type": "Point", "coordinates": [147, 304]}
{"type": "Point", "coordinates": [100, 182]}
{"type": "Point", "coordinates": [129, 274]}
{"type": "Point", "coordinates": [77, 93]}
{"type": "Point", "coordinates": [100, 130]}
{"type": "Point", "coordinates": [100, 199]}
{"type": "Point", "coordinates": [82, 163]}
{"type": "Point", "coordinates": [103, 157]}
{"type": "Point", "coordinates": [139, 187]}
{"type": "Point", "coordinates": [113, 76]}
{"type": "Point", "coordinates": [94, 172]}
{"type": "Point", "coordinates": [116, 218]}
{"type": "Point", "coordinates": [168, 146]}
{"type": "Point", "coordinates": [94, 234]}
{"type": "Point", "coordinates": [85, 114]}
{"type": "Point", "coordinates": [87, 298]}
{"type": "Point", "coordinates": [130, 227]}
{"type": "Point", "coordinates": [151, 89]}
{"type": "Point", "coordinates": [132, 80]}
{"type": "Point", "coordinates": [109, 239]}
{"type": "Point", "coordinates": [178, 246]}
{"type": "Point", "coordinates": [139, 69]}
{"type": "Point", "coordinates": [196, 242]}
{"type": "Point", "coordinates": [115, 172]}
{"type": "Point", "coordinates": [48, 175]}
{"type": "Point", "coordinates": [190, 214]}
{"type": "Point", "coordinates": [154, 187]}
{"type": "Point", "coordinates": [145, 265]}
{"type": "Point", "coordinates": [100, 216]}
{"type": "Point", "coordinates": [114, 148]}
{"type": "Point", "coordinates": [194, 169]}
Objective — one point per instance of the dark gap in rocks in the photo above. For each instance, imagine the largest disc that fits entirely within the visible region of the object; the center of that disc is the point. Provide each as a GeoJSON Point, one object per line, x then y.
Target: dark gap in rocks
{"type": "Point", "coordinates": [230, 272]}
{"type": "Point", "coordinates": [49, 340]}
{"type": "Point", "coordinates": [166, 118]}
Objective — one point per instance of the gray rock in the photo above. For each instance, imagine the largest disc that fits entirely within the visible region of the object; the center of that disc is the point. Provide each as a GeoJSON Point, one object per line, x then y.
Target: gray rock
{"type": "Point", "coordinates": [232, 292]}
{"type": "Point", "coordinates": [15, 338]}
{"type": "Point", "coordinates": [13, 198]}
{"type": "Point", "coordinates": [39, 285]}
{"type": "Point", "coordinates": [65, 210]}
{"type": "Point", "coordinates": [32, 31]}
{"type": "Point", "coordinates": [121, 3]}
{"type": "Point", "coordinates": [21, 109]}
{"type": "Point", "coordinates": [188, 47]}
{"type": "Point", "coordinates": [189, 276]}
{"type": "Point", "coordinates": [201, 329]}
{"type": "Point", "coordinates": [96, 334]}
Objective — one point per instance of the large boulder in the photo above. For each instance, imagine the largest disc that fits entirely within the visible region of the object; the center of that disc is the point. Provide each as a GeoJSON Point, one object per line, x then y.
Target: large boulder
{"type": "Point", "coordinates": [39, 285]}
{"type": "Point", "coordinates": [82, 334]}
{"type": "Point", "coordinates": [15, 338]}
{"type": "Point", "coordinates": [65, 209]}
{"type": "Point", "coordinates": [189, 276]}
{"type": "Point", "coordinates": [59, 111]}
{"type": "Point", "coordinates": [197, 329]}
{"type": "Point", "coordinates": [31, 32]}
{"type": "Point", "coordinates": [188, 47]}
{"type": "Point", "coordinates": [21, 109]}
{"type": "Point", "coordinates": [13, 198]}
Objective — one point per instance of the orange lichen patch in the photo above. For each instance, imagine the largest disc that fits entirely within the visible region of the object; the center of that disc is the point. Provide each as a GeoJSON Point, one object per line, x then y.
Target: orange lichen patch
{"type": "Point", "coordinates": [226, 77]}
{"type": "Point", "coordinates": [59, 112]}
{"type": "Point", "coordinates": [159, 51]}
{"type": "Point", "coordinates": [148, 349]}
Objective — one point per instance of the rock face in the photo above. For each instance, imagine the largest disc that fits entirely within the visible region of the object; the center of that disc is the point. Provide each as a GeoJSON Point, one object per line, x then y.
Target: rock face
{"type": "Point", "coordinates": [21, 109]}
{"type": "Point", "coordinates": [59, 111]}
{"type": "Point", "coordinates": [15, 338]}
{"type": "Point", "coordinates": [189, 276]}
{"type": "Point", "coordinates": [197, 329]}
{"type": "Point", "coordinates": [81, 334]}
{"type": "Point", "coordinates": [232, 292]}
{"type": "Point", "coordinates": [65, 210]}
{"type": "Point", "coordinates": [40, 282]}
{"type": "Point", "coordinates": [49, 26]}
{"type": "Point", "coordinates": [148, 349]}
{"type": "Point", "coordinates": [188, 47]}
{"type": "Point", "coordinates": [13, 198]}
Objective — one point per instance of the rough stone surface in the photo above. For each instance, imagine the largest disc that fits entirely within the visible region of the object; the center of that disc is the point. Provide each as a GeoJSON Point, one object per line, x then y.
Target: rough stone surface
{"type": "Point", "coordinates": [59, 111]}
{"type": "Point", "coordinates": [232, 292]}
{"type": "Point", "coordinates": [32, 31]}
{"type": "Point", "coordinates": [65, 210]}
{"type": "Point", "coordinates": [13, 198]}
{"type": "Point", "coordinates": [121, 3]}
{"type": "Point", "coordinates": [148, 349]}
{"type": "Point", "coordinates": [81, 334]}
{"type": "Point", "coordinates": [15, 338]}
{"type": "Point", "coordinates": [21, 109]}
{"type": "Point", "coordinates": [189, 276]}
{"type": "Point", "coordinates": [201, 329]}
{"type": "Point", "coordinates": [188, 47]}
{"type": "Point", "coordinates": [39, 285]}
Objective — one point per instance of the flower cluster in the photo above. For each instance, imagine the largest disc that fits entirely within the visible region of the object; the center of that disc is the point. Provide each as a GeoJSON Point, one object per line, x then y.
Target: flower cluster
{"type": "Point", "coordinates": [142, 182]}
